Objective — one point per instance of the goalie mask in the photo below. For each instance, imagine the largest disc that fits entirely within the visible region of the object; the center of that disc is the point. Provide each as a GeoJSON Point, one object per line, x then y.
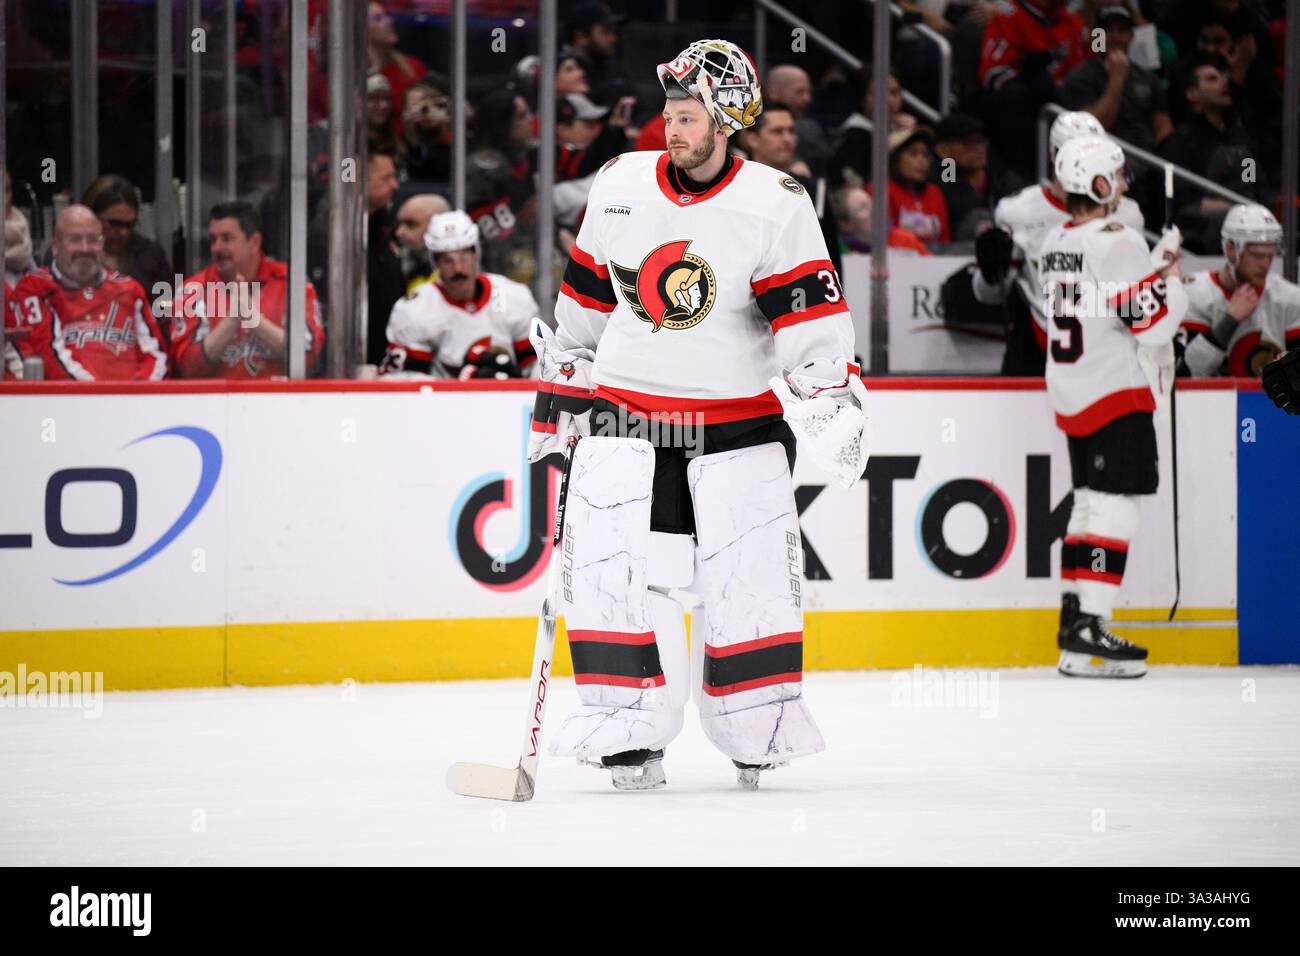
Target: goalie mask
{"type": "Point", "coordinates": [722, 77]}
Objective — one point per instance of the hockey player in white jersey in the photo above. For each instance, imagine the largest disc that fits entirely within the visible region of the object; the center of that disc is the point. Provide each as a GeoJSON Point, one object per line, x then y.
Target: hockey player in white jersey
{"type": "Point", "coordinates": [467, 324]}
{"type": "Point", "coordinates": [699, 310]}
{"type": "Point", "coordinates": [1109, 298]}
{"type": "Point", "coordinates": [1007, 255]}
{"type": "Point", "coordinates": [1241, 316]}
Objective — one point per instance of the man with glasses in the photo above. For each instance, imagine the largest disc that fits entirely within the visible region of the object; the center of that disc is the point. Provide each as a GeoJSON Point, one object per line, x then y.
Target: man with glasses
{"type": "Point", "coordinates": [81, 320]}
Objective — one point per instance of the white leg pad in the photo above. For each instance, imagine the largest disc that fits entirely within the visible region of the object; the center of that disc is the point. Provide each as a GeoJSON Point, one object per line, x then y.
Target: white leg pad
{"type": "Point", "coordinates": [749, 573]}
{"type": "Point", "coordinates": [625, 700]}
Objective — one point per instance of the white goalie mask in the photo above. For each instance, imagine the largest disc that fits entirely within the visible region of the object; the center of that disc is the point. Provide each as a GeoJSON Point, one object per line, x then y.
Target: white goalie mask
{"type": "Point", "coordinates": [1247, 224]}
{"type": "Point", "coordinates": [722, 77]}
{"type": "Point", "coordinates": [1082, 160]}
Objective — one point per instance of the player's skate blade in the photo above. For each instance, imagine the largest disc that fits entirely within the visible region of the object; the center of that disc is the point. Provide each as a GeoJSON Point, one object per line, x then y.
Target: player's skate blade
{"type": "Point", "coordinates": [636, 769]}
{"type": "Point", "coordinates": [1079, 664]}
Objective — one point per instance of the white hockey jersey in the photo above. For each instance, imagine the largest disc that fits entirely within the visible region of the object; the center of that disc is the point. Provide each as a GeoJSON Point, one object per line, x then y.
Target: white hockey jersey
{"type": "Point", "coordinates": [429, 335]}
{"type": "Point", "coordinates": [1029, 215]}
{"type": "Point", "coordinates": [1273, 327]}
{"type": "Point", "coordinates": [1106, 301]}
{"type": "Point", "coordinates": [692, 302]}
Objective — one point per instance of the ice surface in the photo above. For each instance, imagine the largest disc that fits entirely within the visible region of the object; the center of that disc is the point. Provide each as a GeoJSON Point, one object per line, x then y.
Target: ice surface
{"type": "Point", "coordinates": [1186, 766]}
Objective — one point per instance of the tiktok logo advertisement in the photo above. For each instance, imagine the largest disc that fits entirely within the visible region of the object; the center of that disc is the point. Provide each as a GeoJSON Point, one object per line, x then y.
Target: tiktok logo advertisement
{"type": "Point", "coordinates": [480, 520]}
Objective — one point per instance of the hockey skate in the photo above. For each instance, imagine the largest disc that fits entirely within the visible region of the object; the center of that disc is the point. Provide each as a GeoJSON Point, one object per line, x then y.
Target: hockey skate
{"type": "Point", "coordinates": [1091, 650]}
{"type": "Point", "coordinates": [747, 773]}
{"type": "Point", "coordinates": [635, 769]}
{"type": "Point", "coordinates": [1069, 614]}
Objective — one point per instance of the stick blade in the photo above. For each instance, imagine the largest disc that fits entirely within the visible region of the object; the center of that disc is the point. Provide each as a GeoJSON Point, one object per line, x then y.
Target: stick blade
{"type": "Point", "coordinates": [489, 782]}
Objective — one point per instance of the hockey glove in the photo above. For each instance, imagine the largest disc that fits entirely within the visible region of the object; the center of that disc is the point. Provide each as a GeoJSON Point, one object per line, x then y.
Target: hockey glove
{"type": "Point", "coordinates": [993, 254]}
{"type": "Point", "coordinates": [825, 406]}
{"type": "Point", "coordinates": [564, 394]}
{"type": "Point", "coordinates": [1282, 381]}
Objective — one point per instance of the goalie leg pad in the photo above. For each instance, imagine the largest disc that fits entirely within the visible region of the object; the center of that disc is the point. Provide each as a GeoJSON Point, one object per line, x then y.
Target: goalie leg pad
{"type": "Point", "coordinates": [621, 682]}
{"type": "Point", "coordinates": [749, 573]}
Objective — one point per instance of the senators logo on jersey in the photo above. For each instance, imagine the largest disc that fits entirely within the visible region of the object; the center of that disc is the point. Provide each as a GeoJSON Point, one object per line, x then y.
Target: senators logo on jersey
{"type": "Point", "coordinates": [672, 288]}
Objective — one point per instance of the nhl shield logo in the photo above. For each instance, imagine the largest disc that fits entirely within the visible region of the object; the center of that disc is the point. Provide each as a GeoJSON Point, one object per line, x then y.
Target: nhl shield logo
{"type": "Point", "coordinates": [672, 288]}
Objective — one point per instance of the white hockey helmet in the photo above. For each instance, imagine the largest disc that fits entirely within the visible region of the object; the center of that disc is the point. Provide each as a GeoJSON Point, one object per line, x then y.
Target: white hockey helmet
{"type": "Point", "coordinates": [451, 231]}
{"type": "Point", "coordinates": [722, 77]}
{"type": "Point", "coordinates": [1083, 159]}
{"type": "Point", "coordinates": [1248, 223]}
{"type": "Point", "coordinates": [1070, 126]}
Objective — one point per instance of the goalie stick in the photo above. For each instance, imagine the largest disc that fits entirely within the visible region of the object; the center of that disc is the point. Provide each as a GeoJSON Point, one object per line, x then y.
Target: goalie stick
{"type": "Point", "coordinates": [1173, 416]}
{"type": "Point", "coordinates": [519, 783]}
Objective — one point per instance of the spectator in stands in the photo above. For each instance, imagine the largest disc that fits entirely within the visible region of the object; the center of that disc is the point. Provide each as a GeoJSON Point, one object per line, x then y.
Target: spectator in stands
{"type": "Point", "coordinates": [412, 220]}
{"type": "Point", "coordinates": [1128, 100]}
{"type": "Point", "coordinates": [230, 320]}
{"type": "Point", "coordinates": [789, 86]}
{"type": "Point", "coordinates": [117, 204]}
{"type": "Point", "coordinates": [915, 203]}
{"type": "Point", "coordinates": [587, 136]}
{"type": "Point", "coordinates": [380, 133]}
{"type": "Point", "coordinates": [1029, 47]}
{"type": "Point", "coordinates": [385, 283]}
{"type": "Point", "coordinates": [425, 146]}
{"type": "Point", "coordinates": [570, 77]}
{"type": "Point", "coordinates": [1255, 95]}
{"type": "Point", "coordinates": [591, 33]}
{"type": "Point", "coordinates": [853, 140]}
{"type": "Point", "coordinates": [1213, 143]}
{"type": "Point", "coordinates": [18, 239]}
{"type": "Point", "coordinates": [970, 185]}
{"type": "Point", "coordinates": [400, 69]}
{"type": "Point", "coordinates": [499, 186]}
{"type": "Point", "coordinates": [852, 209]}
{"type": "Point", "coordinates": [772, 141]}
{"type": "Point", "coordinates": [81, 320]}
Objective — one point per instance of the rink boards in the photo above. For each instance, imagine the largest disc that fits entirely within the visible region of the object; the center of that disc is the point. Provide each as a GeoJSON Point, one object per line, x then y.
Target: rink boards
{"type": "Point", "coordinates": [201, 534]}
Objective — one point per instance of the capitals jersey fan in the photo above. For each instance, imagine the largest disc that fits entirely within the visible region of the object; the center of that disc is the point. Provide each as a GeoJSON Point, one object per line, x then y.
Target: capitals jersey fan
{"type": "Point", "coordinates": [696, 300]}
{"type": "Point", "coordinates": [1029, 215]}
{"type": "Point", "coordinates": [430, 335]}
{"type": "Point", "coordinates": [206, 299]}
{"type": "Point", "coordinates": [1030, 28]}
{"type": "Point", "coordinates": [1251, 344]}
{"type": "Point", "coordinates": [1105, 301]}
{"type": "Point", "coordinates": [102, 331]}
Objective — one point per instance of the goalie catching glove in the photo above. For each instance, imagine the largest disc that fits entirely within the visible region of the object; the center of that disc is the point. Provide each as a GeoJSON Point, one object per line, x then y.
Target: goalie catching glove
{"type": "Point", "coordinates": [564, 393]}
{"type": "Point", "coordinates": [825, 406]}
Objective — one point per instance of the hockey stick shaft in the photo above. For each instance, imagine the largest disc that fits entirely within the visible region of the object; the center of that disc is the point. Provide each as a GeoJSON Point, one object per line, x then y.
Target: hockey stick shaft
{"type": "Point", "coordinates": [544, 648]}
{"type": "Point", "coordinates": [1173, 442]}
{"type": "Point", "coordinates": [1173, 415]}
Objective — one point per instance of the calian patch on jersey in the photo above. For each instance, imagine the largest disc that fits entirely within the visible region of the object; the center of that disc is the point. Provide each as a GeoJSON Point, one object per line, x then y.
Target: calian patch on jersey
{"type": "Point", "coordinates": [672, 288]}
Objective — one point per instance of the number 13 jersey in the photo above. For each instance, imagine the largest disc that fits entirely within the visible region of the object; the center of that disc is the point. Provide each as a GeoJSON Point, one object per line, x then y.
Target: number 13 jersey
{"type": "Point", "coordinates": [1103, 300]}
{"type": "Point", "coordinates": [692, 301]}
